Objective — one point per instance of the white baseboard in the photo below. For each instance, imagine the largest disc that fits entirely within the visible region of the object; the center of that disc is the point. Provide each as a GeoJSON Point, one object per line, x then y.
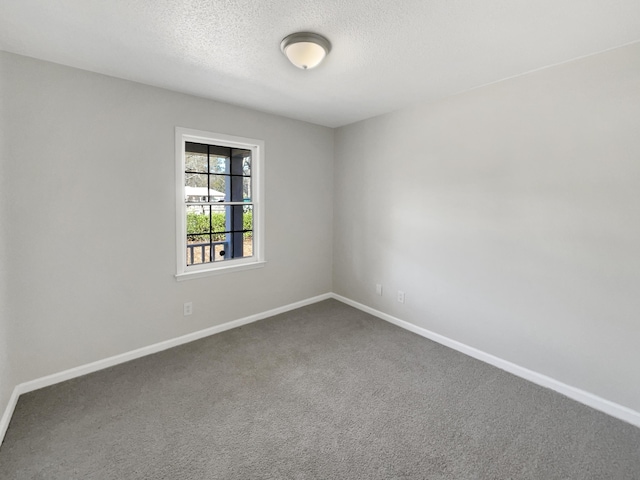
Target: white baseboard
{"type": "Point", "coordinates": [8, 412]}
{"type": "Point", "coordinates": [140, 352]}
{"type": "Point", "coordinates": [615, 410]}
{"type": "Point", "coordinates": [589, 399]}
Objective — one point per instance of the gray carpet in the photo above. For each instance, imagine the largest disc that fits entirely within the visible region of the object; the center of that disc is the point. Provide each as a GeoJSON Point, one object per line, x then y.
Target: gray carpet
{"type": "Point", "coordinates": [324, 392]}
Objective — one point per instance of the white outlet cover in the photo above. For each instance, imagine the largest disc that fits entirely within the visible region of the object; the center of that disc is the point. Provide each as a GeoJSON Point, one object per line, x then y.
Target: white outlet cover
{"type": "Point", "coordinates": [400, 296]}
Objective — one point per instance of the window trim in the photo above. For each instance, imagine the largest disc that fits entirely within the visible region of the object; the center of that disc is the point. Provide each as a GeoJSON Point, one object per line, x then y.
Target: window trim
{"type": "Point", "coordinates": [257, 260]}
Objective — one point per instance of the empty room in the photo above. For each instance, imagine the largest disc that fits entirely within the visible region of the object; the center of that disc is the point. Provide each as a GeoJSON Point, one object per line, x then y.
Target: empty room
{"type": "Point", "coordinates": [320, 240]}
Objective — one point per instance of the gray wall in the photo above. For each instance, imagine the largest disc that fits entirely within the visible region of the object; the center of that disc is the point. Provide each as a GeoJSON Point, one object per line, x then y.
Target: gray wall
{"type": "Point", "coordinates": [6, 370]}
{"type": "Point", "coordinates": [510, 216]}
{"type": "Point", "coordinates": [89, 163]}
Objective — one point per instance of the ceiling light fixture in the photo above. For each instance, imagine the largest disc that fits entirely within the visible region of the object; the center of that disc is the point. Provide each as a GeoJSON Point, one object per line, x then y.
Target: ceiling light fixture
{"type": "Point", "coordinates": [304, 49]}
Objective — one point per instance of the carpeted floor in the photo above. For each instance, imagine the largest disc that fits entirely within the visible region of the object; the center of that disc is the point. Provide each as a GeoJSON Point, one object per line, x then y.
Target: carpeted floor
{"type": "Point", "coordinates": [322, 392]}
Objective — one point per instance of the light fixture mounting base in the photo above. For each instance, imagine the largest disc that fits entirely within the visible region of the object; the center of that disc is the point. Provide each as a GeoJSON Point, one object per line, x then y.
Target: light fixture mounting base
{"type": "Point", "coordinates": [305, 37]}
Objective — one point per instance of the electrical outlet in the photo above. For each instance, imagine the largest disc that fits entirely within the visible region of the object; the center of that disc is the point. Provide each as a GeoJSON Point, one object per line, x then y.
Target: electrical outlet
{"type": "Point", "coordinates": [188, 308]}
{"type": "Point", "coordinates": [378, 289]}
{"type": "Point", "coordinates": [400, 296]}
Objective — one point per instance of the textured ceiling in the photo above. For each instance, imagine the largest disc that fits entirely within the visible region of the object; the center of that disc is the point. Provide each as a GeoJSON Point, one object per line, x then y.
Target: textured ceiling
{"type": "Point", "coordinates": [386, 54]}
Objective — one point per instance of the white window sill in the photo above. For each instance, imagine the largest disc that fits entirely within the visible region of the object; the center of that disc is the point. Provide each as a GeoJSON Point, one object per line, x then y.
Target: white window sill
{"type": "Point", "coordinates": [218, 271]}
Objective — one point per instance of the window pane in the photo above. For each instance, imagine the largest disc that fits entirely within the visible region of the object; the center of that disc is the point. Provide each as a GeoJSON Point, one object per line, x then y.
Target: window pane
{"type": "Point", "coordinates": [242, 152]}
{"type": "Point", "coordinates": [198, 220]}
{"type": "Point", "coordinates": [198, 252]}
{"type": "Point", "coordinates": [219, 164]}
{"type": "Point", "coordinates": [219, 221]}
{"type": "Point", "coordinates": [247, 226]}
{"type": "Point", "coordinates": [246, 189]}
{"type": "Point", "coordinates": [246, 165]}
{"type": "Point", "coordinates": [236, 188]}
{"type": "Point", "coordinates": [218, 151]}
{"type": "Point", "coordinates": [219, 158]}
{"type": "Point", "coordinates": [241, 162]}
{"type": "Point", "coordinates": [199, 209]}
{"type": "Point", "coordinates": [195, 189]}
{"type": "Point", "coordinates": [191, 147]}
{"type": "Point", "coordinates": [235, 219]}
{"type": "Point", "coordinates": [197, 239]}
{"type": "Point", "coordinates": [195, 162]}
{"type": "Point", "coordinates": [219, 186]}
{"type": "Point", "coordinates": [247, 217]}
{"type": "Point", "coordinates": [194, 180]}
{"type": "Point", "coordinates": [221, 251]}
{"type": "Point", "coordinates": [247, 246]}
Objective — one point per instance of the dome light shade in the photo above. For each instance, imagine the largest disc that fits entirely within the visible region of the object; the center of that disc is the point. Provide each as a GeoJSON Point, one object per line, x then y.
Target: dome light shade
{"type": "Point", "coordinates": [305, 50]}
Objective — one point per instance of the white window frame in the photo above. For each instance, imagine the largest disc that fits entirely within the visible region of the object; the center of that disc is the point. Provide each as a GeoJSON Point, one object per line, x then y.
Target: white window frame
{"type": "Point", "coordinates": [257, 260]}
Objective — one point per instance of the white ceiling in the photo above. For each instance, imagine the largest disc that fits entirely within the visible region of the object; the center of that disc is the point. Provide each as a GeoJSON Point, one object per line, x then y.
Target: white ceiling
{"type": "Point", "coordinates": [386, 54]}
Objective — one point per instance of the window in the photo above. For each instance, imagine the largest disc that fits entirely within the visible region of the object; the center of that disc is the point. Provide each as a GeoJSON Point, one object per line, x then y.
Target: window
{"type": "Point", "coordinates": [219, 204]}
